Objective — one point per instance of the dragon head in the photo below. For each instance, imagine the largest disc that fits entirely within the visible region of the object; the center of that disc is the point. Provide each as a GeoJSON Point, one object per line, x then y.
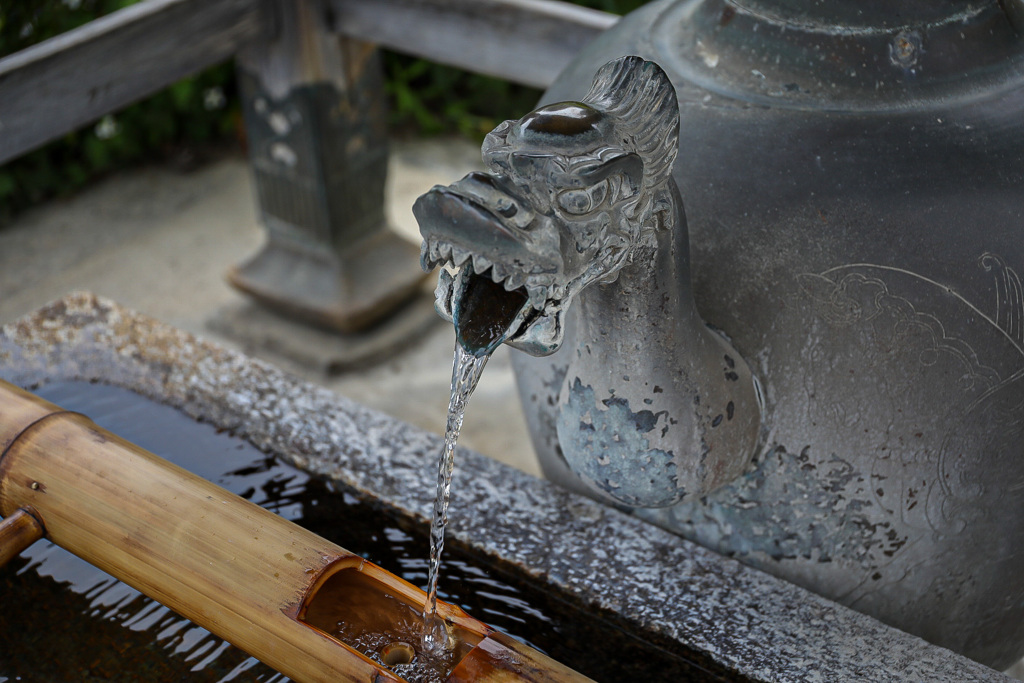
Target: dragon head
{"type": "Point", "coordinates": [574, 189]}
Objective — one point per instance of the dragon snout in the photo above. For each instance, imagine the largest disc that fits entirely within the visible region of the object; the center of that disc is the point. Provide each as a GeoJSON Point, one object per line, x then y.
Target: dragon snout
{"type": "Point", "coordinates": [496, 196]}
{"type": "Point", "coordinates": [494, 267]}
{"type": "Point", "coordinates": [480, 203]}
{"type": "Point", "coordinates": [482, 218]}
{"type": "Point", "coordinates": [447, 215]}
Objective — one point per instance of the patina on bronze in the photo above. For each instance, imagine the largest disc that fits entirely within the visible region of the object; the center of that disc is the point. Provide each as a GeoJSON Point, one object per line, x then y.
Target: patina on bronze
{"type": "Point", "coordinates": [583, 213]}
{"type": "Point", "coordinates": [852, 181]}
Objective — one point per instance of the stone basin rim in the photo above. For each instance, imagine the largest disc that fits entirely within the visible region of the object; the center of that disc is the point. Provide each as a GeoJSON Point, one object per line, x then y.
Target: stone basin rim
{"type": "Point", "coordinates": [745, 623]}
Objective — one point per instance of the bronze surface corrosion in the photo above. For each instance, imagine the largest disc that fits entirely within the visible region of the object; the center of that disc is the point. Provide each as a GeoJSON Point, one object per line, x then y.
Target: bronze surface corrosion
{"type": "Point", "coordinates": [230, 566]}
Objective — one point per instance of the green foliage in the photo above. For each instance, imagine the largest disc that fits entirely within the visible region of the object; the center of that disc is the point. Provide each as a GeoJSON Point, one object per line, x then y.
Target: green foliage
{"type": "Point", "coordinates": [190, 113]}
{"type": "Point", "coordinates": [426, 99]}
{"type": "Point", "coordinates": [613, 6]}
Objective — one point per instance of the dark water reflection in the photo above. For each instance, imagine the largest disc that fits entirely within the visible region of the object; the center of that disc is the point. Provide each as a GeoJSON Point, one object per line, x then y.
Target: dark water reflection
{"type": "Point", "coordinates": [62, 619]}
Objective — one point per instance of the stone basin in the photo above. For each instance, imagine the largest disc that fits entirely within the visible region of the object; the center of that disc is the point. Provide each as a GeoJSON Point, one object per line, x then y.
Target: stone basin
{"type": "Point", "coordinates": [728, 621]}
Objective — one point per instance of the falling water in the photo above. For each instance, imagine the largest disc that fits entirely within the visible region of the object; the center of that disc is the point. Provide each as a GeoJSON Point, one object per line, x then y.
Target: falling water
{"type": "Point", "coordinates": [484, 314]}
{"type": "Point", "coordinates": [465, 375]}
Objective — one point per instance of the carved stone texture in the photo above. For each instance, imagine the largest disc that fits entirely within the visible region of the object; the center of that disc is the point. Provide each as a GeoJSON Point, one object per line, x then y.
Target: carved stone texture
{"type": "Point", "coordinates": [315, 119]}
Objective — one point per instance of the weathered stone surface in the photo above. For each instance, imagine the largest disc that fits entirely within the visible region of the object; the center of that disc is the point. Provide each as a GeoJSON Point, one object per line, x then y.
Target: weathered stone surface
{"type": "Point", "coordinates": [740, 620]}
{"type": "Point", "coordinates": [253, 327]}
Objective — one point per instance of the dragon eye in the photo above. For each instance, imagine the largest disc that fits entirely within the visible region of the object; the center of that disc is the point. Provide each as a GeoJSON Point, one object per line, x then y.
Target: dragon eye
{"type": "Point", "coordinates": [583, 201]}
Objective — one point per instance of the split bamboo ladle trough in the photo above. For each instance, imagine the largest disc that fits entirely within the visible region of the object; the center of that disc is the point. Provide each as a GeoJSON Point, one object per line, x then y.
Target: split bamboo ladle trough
{"type": "Point", "coordinates": [256, 580]}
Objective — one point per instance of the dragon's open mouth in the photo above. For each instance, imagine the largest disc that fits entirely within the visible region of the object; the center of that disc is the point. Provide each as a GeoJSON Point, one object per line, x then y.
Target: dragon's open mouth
{"type": "Point", "coordinates": [499, 282]}
{"type": "Point", "coordinates": [489, 303]}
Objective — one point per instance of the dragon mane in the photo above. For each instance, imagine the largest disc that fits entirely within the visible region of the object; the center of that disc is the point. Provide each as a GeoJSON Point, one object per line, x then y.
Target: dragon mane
{"type": "Point", "coordinates": [639, 95]}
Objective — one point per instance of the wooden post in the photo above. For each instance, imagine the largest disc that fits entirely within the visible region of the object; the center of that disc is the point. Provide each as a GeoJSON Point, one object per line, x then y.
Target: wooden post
{"type": "Point", "coordinates": [236, 569]}
{"type": "Point", "coordinates": [316, 123]}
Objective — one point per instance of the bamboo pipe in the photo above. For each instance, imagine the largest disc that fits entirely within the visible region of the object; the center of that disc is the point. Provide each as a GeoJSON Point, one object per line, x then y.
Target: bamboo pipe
{"type": "Point", "coordinates": [18, 532]}
{"type": "Point", "coordinates": [240, 571]}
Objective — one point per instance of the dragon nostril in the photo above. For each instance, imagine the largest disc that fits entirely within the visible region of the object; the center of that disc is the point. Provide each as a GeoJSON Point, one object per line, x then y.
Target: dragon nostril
{"type": "Point", "coordinates": [507, 209]}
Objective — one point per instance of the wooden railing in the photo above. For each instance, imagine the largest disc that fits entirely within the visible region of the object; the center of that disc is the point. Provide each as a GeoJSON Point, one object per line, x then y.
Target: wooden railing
{"type": "Point", "coordinates": [72, 79]}
{"type": "Point", "coordinates": [320, 197]}
{"type": "Point", "coordinates": [524, 41]}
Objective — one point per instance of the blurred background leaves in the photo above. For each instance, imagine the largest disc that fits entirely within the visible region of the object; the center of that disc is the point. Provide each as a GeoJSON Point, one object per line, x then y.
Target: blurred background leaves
{"type": "Point", "coordinates": [199, 115]}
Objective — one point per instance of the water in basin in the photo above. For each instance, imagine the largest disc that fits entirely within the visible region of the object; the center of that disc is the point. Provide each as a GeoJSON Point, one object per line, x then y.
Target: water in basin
{"type": "Point", "coordinates": [64, 620]}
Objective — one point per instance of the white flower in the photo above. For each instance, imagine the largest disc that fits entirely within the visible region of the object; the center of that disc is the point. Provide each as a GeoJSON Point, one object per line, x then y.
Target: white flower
{"type": "Point", "coordinates": [107, 128]}
{"type": "Point", "coordinates": [213, 98]}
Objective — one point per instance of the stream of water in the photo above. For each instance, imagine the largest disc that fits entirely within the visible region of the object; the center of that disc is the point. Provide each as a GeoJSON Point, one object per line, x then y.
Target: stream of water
{"type": "Point", "coordinates": [466, 371]}
{"type": "Point", "coordinates": [483, 316]}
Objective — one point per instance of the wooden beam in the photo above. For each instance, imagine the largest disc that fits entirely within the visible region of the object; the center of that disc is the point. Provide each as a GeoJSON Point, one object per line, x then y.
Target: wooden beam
{"type": "Point", "coordinates": [525, 41]}
{"type": "Point", "coordinates": [72, 79]}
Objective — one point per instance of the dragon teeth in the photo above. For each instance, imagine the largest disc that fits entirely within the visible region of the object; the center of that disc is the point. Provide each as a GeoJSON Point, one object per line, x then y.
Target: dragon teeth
{"type": "Point", "coordinates": [445, 251]}
{"type": "Point", "coordinates": [515, 280]}
{"type": "Point", "coordinates": [537, 296]}
{"type": "Point", "coordinates": [459, 256]}
{"type": "Point", "coordinates": [480, 263]}
{"type": "Point", "coordinates": [439, 253]}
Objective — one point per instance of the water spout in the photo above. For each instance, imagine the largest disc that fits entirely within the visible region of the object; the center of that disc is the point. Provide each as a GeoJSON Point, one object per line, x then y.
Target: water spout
{"type": "Point", "coordinates": [581, 227]}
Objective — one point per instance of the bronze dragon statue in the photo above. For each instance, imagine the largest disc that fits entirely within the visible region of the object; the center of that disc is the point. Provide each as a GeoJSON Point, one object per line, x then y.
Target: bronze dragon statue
{"type": "Point", "coordinates": [581, 214]}
{"type": "Point", "coordinates": [878, 456]}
